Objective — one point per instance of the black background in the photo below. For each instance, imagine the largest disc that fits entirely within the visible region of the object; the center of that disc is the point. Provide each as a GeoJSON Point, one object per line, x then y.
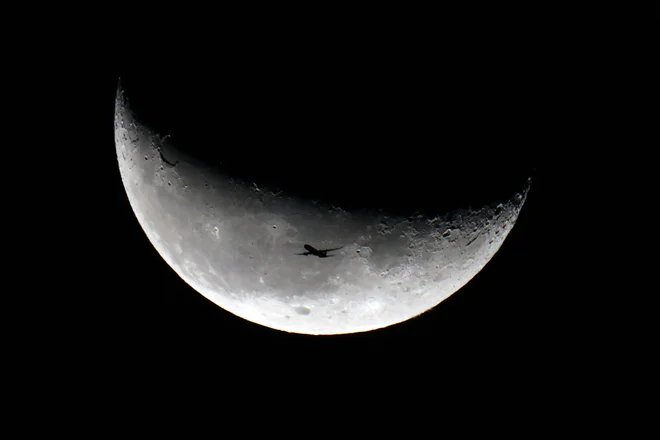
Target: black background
{"type": "Point", "coordinates": [528, 340]}
{"type": "Point", "coordinates": [481, 115]}
{"type": "Point", "coordinates": [501, 315]}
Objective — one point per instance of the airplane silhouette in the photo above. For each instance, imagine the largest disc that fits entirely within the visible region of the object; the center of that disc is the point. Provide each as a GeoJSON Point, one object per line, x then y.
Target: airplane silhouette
{"type": "Point", "coordinates": [319, 253]}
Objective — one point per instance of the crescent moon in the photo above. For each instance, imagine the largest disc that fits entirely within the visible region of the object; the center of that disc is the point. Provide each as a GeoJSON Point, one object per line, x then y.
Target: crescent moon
{"type": "Point", "coordinates": [236, 244]}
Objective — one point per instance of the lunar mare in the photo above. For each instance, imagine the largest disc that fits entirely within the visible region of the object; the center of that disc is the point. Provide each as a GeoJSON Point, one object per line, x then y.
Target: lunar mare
{"type": "Point", "coordinates": [235, 244]}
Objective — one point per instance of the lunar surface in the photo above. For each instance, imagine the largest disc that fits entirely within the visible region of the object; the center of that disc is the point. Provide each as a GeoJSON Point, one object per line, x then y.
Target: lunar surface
{"type": "Point", "coordinates": [237, 243]}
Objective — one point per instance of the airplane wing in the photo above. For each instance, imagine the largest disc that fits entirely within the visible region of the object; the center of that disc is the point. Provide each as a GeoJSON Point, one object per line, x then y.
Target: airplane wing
{"type": "Point", "coordinates": [333, 249]}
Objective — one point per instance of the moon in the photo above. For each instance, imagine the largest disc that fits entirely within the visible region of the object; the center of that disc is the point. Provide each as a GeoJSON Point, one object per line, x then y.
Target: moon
{"type": "Point", "coordinates": [236, 243]}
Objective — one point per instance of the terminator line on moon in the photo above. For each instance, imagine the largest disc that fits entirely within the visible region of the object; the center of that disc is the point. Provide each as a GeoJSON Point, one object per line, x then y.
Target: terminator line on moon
{"type": "Point", "coordinates": [236, 244]}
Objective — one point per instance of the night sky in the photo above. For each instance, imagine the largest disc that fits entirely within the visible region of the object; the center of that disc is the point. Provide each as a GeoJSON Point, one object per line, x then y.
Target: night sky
{"type": "Point", "coordinates": [411, 118]}
{"type": "Point", "coordinates": [500, 313]}
{"type": "Point", "coordinates": [131, 308]}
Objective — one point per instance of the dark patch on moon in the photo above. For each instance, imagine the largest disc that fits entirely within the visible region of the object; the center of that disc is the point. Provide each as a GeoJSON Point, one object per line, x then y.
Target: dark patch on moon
{"type": "Point", "coordinates": [302, 310]}
{"type": "Point", "coordinates": [171, 164]}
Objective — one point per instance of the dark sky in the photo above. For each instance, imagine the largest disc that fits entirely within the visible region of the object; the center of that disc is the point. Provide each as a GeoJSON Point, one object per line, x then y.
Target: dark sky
{"type": "Point", "coordinates": [468, 109]}
{"type": "Point", "coordinates": [146, 311]}
{"type": "Point", "coordinates": [478, 138]}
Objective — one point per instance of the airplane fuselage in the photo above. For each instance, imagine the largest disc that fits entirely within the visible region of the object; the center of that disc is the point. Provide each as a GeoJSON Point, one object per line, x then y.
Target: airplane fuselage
{"type": "Point", "coordinates": [314, 251]}
{"type": "Point", "coordinates": [319, 253]}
